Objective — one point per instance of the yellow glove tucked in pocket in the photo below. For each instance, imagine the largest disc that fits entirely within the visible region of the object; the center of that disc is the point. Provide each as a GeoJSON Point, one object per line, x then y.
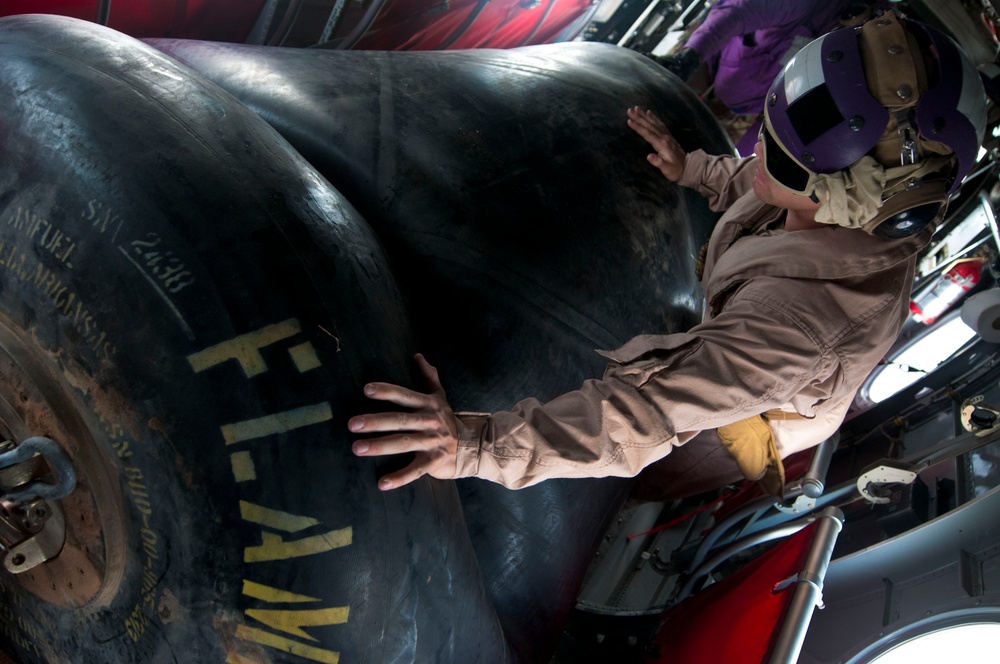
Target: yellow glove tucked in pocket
{"type": "Point", "coordinates": [751, 444]}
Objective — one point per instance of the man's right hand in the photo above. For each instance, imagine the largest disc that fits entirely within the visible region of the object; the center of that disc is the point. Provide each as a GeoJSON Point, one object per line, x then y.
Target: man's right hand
{"type": "Point", "coordinates": [427, 426]}
{"type": "Point", "coordinates": [669, 157]}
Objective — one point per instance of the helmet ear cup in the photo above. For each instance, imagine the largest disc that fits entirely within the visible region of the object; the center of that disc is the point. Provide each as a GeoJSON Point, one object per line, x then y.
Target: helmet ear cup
{"type": "Point", "coordinates": [909, 211]}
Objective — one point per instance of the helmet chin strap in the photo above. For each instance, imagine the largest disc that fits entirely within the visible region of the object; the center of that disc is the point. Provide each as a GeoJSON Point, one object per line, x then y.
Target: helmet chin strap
{"type": "Point", "coordinates": [853, 197]}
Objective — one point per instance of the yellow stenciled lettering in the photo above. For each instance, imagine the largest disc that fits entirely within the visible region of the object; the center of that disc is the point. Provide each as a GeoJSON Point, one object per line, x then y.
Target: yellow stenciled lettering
{"type": "Point", "coordinates": [276, 423]}
{"type": "Point", "coordinates": [289, 621]}
{"type": "Point", "coordinates": [237, 658]}
{"type": "Point", "coordinates": [292, 621]}
{"type": "Point", "coordinates": [273, 595]}
{"type": "Point", "coordinates": [274, 547]}
{"type": "Point", "coordinates": [276, 519]}
{"type": "Point", "coordinates": [287, 645]}
{"type": "Point", "coordinates": [245, 348]}
{"type": "Point", "coordinates": [243, 466]}
{"type": "Point", "coordinates": [304, 356]}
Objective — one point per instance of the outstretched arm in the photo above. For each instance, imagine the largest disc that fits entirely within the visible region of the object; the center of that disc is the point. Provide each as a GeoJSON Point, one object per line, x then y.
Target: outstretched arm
{"type": "Point", "coordinates": [657, 393]}
{"type": "Point", "coordinates": [429, 428]}
{"type": "Point", "coordinates": [668, 155]}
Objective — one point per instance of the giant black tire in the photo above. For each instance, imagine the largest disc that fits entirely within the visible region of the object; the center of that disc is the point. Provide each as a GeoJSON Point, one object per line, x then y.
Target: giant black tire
{"type": "Point", "coordinates": [190, 310]}
{"type": "Point", "coordinates": [517, 208]}
{"type": "Point", "coordinates": [526, 229]}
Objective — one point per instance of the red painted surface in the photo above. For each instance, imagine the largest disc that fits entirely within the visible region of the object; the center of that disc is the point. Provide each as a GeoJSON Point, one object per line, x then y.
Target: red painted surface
{"type": "Point", "coordinates": [744, 608]}
{"type": "Point", "coordinates": [85, 9]}
{"type": "Point", "coordinates": [215, 20]}
{"type": "Point", "coordinates": [368, 25]}
{"type": "Point", "coordinates": [508, 23]}
{"type": "Point", "coordinates": [455, 24]}
{"type": "Point", "coordinates": [415, 24]}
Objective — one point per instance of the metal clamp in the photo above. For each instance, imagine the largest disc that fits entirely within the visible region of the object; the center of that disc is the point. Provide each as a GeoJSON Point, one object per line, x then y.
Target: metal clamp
{"type": "Point", "coordinates": [883, 474]}
{"type": "Point", "coordinates": [58, 461]}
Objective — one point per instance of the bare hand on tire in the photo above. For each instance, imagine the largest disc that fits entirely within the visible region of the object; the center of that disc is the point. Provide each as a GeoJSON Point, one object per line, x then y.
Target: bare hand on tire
{"type": "Point", "coordinates": [429, 428]}
{"type": "Point", "coordinates": [668, 155]}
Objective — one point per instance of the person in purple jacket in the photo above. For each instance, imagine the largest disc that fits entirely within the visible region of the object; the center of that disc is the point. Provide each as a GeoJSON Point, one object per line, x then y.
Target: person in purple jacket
{"type": "Point", "coordinates": [745, 43]}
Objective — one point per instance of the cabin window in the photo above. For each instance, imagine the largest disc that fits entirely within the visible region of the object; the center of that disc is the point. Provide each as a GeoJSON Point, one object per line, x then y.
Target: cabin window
{"type": "Point", "coordinates": [961, 643]}
{"type": "Point", "coordinates": [916, 360]}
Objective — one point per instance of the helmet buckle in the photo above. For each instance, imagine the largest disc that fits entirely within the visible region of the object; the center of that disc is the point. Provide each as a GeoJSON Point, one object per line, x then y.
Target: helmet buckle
{"type": "Point", "coordinates": [907, 139]}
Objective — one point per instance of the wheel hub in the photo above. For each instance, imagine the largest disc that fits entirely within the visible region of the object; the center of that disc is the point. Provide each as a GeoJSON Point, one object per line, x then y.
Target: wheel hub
{"type": "Point", "coordinates": [71, 549]}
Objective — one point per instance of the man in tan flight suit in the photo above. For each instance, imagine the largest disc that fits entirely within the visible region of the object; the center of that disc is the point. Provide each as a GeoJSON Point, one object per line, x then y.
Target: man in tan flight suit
{"type": "Point", "coordinates": [807, 280]}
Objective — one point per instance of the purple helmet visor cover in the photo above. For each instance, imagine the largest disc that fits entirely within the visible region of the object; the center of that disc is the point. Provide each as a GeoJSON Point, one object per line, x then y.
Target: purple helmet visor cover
{"type": "Point", "coordinates": [821, 109]}
{"type": "Point", "coordinates": [954, 110]}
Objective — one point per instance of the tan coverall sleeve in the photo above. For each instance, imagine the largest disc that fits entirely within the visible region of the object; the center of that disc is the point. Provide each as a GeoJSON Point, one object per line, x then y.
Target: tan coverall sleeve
{"type": "Point", "coordinates": [720, 179]}
{"type": "Point", "coordinates": [749, 359]}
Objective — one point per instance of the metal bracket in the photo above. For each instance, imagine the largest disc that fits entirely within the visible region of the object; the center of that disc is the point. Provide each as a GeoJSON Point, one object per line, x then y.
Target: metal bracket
{"type": "Point", "coordinates": [883, 474]}
{"type": "Point", "coordinates": [803, 504]}
{"type": "Point", "coordinates": [43, 545]}
{"type": "Point", "coordinates": [978, 417]}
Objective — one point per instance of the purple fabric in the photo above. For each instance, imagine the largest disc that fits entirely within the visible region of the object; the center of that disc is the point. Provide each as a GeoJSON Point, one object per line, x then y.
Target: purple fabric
{"type": "Point", "coordinates": [750, 38]}
{"type": "Point", "coordinates": [744, 147]}
{"type": "Point", "coordinates": [942, 117]}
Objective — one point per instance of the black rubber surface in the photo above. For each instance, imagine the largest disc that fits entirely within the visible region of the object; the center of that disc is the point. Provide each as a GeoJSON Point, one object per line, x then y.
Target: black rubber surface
{"type": "Point", "coordinates": [526, 229]}
{"type": "Point", "coordinates": [207, 319]}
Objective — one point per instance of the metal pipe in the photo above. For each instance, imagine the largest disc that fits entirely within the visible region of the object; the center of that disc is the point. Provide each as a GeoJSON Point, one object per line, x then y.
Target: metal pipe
{"type": "Point", "coordinates": [103, 12]}
{"type": "Point", "coordinates": [331, 22]}
{"type": "Point", "coordinates": [752, 540]}
{"type": "Point", "coordinates": [815, 478]}
{"type": "Point", "coordinates": [991, 220]}
{"type": "Point", "coordinates": [263, 25]}
{"type": "Point", "coordinates": [809, 590]}
{"type": "Point", "coordinates": [637, 24]}
{"type": "Point", "coordinates": [723, 526]}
